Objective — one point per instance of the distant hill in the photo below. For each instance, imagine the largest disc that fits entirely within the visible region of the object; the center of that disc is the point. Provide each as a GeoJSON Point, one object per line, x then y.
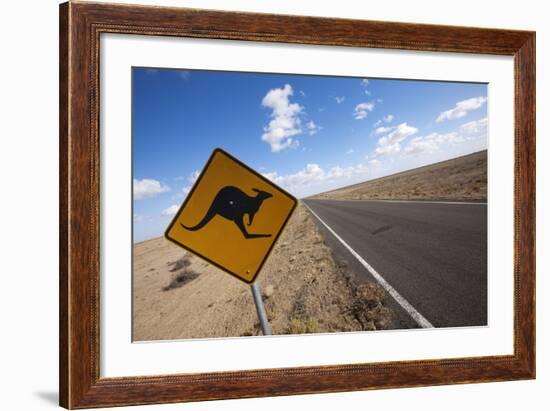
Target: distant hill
{"type": "Point", "coordinates": [459, 179]}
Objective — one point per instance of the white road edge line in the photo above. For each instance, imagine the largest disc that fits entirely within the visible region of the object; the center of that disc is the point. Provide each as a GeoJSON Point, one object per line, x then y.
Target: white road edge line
{"type": "Point", "coordinates": [419, 318]}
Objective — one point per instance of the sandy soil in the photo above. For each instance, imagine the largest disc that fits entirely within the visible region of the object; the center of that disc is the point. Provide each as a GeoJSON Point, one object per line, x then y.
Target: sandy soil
{"type": "Point", "coordinates": [177, 295]}
{"type": "Point", "coordinates": [460, 179]}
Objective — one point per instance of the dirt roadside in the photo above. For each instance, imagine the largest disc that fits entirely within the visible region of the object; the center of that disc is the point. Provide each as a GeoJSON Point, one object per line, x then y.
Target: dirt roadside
{"type": "Point", "coordinates": [176, 295]}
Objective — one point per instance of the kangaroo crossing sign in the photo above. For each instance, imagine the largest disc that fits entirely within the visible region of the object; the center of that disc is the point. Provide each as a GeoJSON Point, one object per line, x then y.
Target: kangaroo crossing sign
{"type": "Point", "coordinates": [231, 217]}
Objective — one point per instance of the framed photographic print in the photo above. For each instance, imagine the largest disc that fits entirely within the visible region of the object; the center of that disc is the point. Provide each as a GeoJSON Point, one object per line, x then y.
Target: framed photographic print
{"type": "Point", "coordinates": [248, 201]}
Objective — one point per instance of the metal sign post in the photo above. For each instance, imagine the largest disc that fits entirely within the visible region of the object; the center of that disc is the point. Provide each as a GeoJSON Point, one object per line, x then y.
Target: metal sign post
{"type": "Point", "coordinates": [260, 309]}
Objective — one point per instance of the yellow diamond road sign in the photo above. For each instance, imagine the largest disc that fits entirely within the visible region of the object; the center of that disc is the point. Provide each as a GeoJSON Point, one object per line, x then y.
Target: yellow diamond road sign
{"type": "Point", "coordinates": [232, 217]}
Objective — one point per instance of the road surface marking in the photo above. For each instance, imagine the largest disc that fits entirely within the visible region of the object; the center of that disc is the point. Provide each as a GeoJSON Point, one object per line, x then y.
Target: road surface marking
{"type": "Point", "coordinates": [419, 318]}
{"type": "Point", "coordinates": [402, 201]}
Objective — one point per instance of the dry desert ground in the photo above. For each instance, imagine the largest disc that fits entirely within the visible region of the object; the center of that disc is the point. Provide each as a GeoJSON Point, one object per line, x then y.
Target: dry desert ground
{"type": "Point", "coordinates": [177, 295]}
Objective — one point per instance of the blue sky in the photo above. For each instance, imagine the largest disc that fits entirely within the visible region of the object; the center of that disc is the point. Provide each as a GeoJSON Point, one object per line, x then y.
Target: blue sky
{"type": "Point", "coordinates": [308, 134]}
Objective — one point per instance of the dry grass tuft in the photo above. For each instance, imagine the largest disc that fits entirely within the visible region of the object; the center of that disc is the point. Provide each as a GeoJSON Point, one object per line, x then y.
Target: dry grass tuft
{"type": "Point", "coordinates": [183, 262]}
{"type": "Point", "coordinates": [180, 279]}
{"type": "Point", "coordinates": [368, 307]}
{"type": "Point", "coordinates": [302, 326]}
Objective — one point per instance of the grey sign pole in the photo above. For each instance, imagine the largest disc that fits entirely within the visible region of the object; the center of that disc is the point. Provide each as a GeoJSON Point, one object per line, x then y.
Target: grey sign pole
{"type": "Point", "coordinates": [260, 309]}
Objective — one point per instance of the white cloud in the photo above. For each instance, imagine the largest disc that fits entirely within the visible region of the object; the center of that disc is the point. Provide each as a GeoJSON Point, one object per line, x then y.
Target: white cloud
{"type": "Point", "coordinates": [302, 93]}
{"type": "Point", "coordinates": [285, 121]}
{"type": "Point", "coordinates": [309, 174]}
{"type": "Point", "coordinates": [375, 162]}
{"type": "Point", "coordinates": [391, 142]}
{"type": "Point", "coordinates": [461, 109]}
{"type": "Point", "coordinates": [475, 127]}
{"type": "Point", "coordinates": [138, 217]}
{"type": "Point", "coordinates": [382, 130]}
{"type": "Point", "coordinates": [272, 176]}
{"type": "Point", "coordinates": [148, 188]}
{"type": "Point", "coordinates": [386, 119]}
{"type": "Point", "coordinates": [192, 177]}
{"type": "Point", "coordinates": [312, 128]}
{"type": "Point", "coordinates": [350, 151]}
{"type": "Point", "coordinates": [338, 172]}
{"type": "Point", "coordinates": [184, 74]}
{"type": "Point", "coordinates": [431, 143]}
{"type": "Point", "coordinates": [313, 178]}
{"type": "Point", "coordinates": [362, 110]}
{"type": "Point", "coordinates": [364, 84]}
{"type": "Point", "coordinates": [170, 211]}
{"type": "Point", "coordinates": [340, 100]}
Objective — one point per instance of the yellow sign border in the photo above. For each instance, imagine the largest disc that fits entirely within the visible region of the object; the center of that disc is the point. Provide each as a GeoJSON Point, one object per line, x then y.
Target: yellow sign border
{"type": "Point", "coordinates": [182, 207]}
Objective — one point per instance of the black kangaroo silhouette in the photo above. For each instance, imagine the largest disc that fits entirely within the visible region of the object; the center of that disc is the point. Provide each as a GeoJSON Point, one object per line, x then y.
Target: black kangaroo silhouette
{"type": "Point", "coordinates": [232, 204]}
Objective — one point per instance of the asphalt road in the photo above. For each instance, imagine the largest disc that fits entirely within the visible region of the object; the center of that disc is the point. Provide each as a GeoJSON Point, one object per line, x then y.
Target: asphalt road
{"type": "Point", "coordinates": [433, 254]}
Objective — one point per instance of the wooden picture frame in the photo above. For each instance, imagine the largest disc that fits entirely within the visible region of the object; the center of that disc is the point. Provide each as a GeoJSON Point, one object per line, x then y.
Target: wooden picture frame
{"type": "Point", "coordinates": [80, 27]}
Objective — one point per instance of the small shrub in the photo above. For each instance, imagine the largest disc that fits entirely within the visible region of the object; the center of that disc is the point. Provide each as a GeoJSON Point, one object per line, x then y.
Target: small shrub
{"type": "Point", "coordinates": [180, 279]}
{"type": "Point", "coordinates": [367, 307]}
{"type": "Point", "coordinates": [183, 262]}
